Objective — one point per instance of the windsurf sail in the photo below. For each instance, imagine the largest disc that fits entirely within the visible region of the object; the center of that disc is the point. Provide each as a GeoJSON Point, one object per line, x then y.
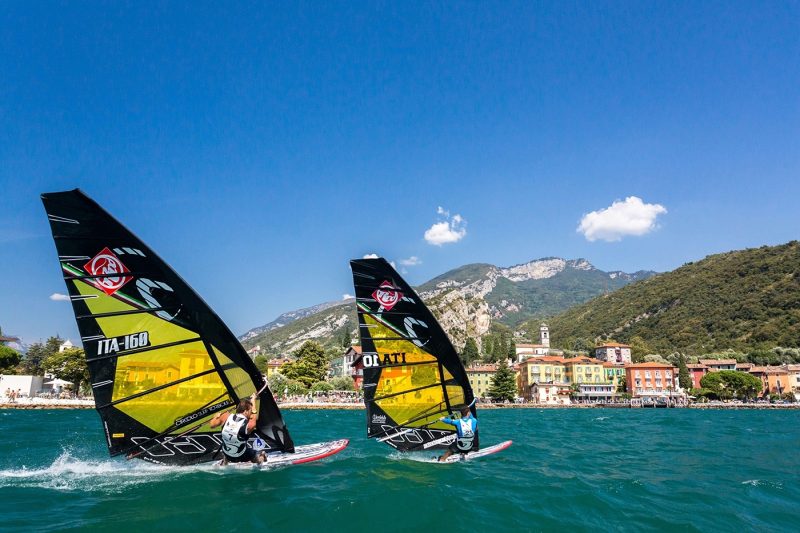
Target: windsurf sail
{"type": "Point", "coordinates": [161, 362]}
{"type": "Point", "coordinates": [412, 373]}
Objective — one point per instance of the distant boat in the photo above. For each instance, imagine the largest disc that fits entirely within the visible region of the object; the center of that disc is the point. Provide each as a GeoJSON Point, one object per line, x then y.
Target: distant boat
{"type": "Point", "coordinates": [412, 373]}
{"type": "Point", "coordinates": [161, 362]}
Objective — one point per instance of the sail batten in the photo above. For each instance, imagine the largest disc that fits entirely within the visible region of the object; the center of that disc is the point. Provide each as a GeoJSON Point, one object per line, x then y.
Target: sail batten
{"type": "Point", "coordinates": [412, 374]}
{"type": "Point", "coordinates": [159, 358]}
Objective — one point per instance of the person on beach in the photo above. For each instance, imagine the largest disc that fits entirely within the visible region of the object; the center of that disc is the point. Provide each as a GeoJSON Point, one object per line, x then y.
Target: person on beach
{"type": "Point", "coordinates": [236, 427]}
{"type": "Point", "coordinates": [466, 433]}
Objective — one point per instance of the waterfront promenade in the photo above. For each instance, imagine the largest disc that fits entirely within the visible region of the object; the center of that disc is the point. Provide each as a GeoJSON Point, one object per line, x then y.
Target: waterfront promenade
{"type": "Point", "coordinates": [77, 403]}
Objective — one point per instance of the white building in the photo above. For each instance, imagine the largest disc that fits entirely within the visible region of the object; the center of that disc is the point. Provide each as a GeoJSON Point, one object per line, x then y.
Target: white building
{"type": "Point", "coordinates": [613, 352]}
{"type": "Point", "coordinates": [26, 385]}
{"type": "Point", "coordinates": [66, 345]}
{"type": "Point", "coordinates": [535, 350]}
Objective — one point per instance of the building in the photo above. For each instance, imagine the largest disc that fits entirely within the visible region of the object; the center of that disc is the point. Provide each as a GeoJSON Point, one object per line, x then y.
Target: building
{"type": "Point", "coordinates": [66, 345]}
{"type": "Point", "coordinates": [480, 379]}
{"type": "Point", "coordinates": [254, 351]}
{"type": "Point", "coordinates": [550, 394]}
{"type": "Point", "coordinates": [794, 380]}
{"type": "Point", "coordinates": [541, 370]}
{"type": "Point", "coordinates": [535, 350]}
{"type": "Point", "coordinates": [274, 366]}
{"type": "Point", "coordinates": [349, 357]}
{"type": "Point", "coordinates": [774, 379]}
{"type": "Point", "coordinates": [613, 352]}
{"type": "Point", "coordinates": [696, 372]}
{"type": "Point", "coordinates": [652, 382]}
{"type": "Point", "coordinates": [26, 385]}
{"type": "Point", "coordinates": [715, 365]}
{"type": "Point", "coordinates": [596, 392]}
{"type": "Point", "coordinates": [5, 340]}
{"type": "Point", "coordinates": [357, 370]}
{"type": "Point", "coordinates": [614, 374]}
{"type": "Point", "coordinates": [584, 370]}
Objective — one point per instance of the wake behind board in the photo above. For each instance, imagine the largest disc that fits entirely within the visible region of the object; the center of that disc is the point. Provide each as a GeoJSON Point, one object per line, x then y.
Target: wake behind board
{"type": "Point", "coordinates": [483, 452]}
{"type": "Point", "coordinates": [306, 453]}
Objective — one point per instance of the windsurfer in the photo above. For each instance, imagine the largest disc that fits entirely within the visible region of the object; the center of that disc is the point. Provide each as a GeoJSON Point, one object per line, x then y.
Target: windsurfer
{"type": "Point", "coordinates": [235, 429]}
{"type": "Point", "coordinates": [467, 433]}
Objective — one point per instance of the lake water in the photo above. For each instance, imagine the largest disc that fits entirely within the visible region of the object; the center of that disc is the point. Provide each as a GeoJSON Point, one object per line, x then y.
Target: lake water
{"type": "Point", "coordinates": [568, 470]}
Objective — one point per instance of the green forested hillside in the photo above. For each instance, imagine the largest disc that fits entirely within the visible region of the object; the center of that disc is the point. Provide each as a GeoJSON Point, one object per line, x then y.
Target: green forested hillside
{"type": "Point", "coordinates": [741, 300]}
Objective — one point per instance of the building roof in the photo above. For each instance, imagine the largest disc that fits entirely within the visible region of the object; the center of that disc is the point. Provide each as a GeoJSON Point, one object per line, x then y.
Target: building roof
{"type": "Point", "coordinates": [483, 368]}
{"type": "Point", "coordinates": [582, 361]}
{"type": "Point", "coordinates": [356, 348]}
{"type": "Point", "coordinates": [8, 339]}
{"type": "Point", "coordinates": [696, 366]}
{"type": "Point", "coordinates": [612, 345]}
{"type": "Point", "coordinates": [650, 364]}
{"type": "Point", "coordinates": [717, 362]}
{"type": "Point", "coordinates": [768, 370]}
{"type": "Point", "coordinates": [744, 365]}
{"type": "Point", "coordinates": [278, 362]}
{"type": "Point", "coordinates": [543, 359]}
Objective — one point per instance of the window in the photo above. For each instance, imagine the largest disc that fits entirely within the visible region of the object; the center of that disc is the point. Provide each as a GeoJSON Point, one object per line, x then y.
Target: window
{"type": "Point", "coordinates": [658, 373]}
{"type": "Point", "coordinates": [647, 374]}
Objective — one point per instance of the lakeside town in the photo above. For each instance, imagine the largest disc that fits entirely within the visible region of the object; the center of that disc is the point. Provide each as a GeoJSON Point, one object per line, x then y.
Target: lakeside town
{"type": "Point", "coordinates": [542, 376]}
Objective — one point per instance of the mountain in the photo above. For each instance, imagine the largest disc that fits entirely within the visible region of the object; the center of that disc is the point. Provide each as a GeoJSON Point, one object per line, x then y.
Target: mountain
{"type": "Point", "coordinates": [466, 301]}
{"type": "Point", "coordinates": [288, 318]}
{"type": "Point", "coordinates": [743, 300]}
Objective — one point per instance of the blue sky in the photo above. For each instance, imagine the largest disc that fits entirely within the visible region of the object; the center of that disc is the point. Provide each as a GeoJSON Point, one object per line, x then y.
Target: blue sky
{"type": "Point", "coordinates": [257, 148]}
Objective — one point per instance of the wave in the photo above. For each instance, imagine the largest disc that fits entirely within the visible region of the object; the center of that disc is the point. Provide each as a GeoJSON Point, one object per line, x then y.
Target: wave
{"type": "Point", "coordinates": [69, 473]}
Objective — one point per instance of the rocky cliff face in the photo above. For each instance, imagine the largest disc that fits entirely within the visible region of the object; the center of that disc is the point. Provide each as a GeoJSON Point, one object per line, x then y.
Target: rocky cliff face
{"type": "Point", "coordinates": [465, 301]}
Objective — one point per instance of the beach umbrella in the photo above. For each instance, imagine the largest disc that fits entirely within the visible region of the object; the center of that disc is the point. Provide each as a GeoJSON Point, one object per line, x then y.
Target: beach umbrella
{"type": "Point", "coordinates": [58, 382]}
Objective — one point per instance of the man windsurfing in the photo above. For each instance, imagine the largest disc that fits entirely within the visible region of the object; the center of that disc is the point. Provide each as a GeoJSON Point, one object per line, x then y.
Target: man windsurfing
{"type": "Point", "coordinates": [466, 434]}
{"type": "Point", "coordinates": [235, 431]}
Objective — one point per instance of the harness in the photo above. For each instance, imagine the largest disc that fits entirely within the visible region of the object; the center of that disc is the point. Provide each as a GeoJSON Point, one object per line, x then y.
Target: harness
{"type": "Point", "coordinates": [232, 443]}
{"type": "Point", "coordinates": [466, 435]}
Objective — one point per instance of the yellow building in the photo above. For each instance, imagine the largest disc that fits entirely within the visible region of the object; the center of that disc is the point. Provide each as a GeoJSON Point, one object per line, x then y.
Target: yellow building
{"type": "Point", "coordinates": [274, 366]}
{"type": "Point", "coordinates": [548, 369]}
{"type": "Point", "coordinates": [584, 370]}
{"type": "Point", "coordinates": [480, 379]}
{"type": "Point", "coordinates": [614, 374]}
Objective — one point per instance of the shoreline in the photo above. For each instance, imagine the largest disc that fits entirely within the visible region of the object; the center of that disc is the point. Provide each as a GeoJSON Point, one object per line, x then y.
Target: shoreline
{"type": "Point", "coordinates": [297, 406]}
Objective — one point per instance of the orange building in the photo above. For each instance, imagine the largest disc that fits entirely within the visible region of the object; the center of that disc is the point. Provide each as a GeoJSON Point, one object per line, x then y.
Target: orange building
{"type": "Point", "coordinates": [697, 371]}
{"type": "Point", "coordinates": [653, 381]}
{"type": "Point", "coordinates": [775, 379]}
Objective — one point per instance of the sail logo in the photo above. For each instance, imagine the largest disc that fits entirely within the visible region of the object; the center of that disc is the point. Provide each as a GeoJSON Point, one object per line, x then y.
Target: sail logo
{"type": "Point", "coordinates": [385, 296]}
{"type": "Point", "coordinates": [123, 343]}
{"type": "Point", "coordinates": [107, 264]}
{"type": "Point", "coordinates": [378, 419]}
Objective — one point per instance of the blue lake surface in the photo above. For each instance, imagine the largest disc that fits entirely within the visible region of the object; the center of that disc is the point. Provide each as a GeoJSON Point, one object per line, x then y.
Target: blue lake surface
{"type": "Point", "coordinates": [568, 470]}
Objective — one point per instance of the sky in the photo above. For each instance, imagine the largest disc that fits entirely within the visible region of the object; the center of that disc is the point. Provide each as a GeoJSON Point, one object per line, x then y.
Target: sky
{"type": "Point", "coordinates": [257, 147]}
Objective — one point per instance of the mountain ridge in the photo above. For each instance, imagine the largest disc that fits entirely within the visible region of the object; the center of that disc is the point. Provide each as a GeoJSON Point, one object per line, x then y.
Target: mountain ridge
{"type": "Point", "coordinates": [466, 300]}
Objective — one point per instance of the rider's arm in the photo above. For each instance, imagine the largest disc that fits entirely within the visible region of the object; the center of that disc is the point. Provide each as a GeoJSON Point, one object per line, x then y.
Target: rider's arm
{"type": "Point", "coordinates": [218, 419]}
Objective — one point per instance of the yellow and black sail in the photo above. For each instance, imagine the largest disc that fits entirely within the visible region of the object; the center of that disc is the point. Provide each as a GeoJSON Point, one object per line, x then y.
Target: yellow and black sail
{"type": "Point", "coordinates": [161, 362]}
{"type": "Point", "coordinates": [412, 373]}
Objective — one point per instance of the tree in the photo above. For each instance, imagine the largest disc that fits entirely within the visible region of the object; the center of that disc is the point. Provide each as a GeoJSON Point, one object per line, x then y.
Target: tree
{"type": "Point", "coordinates": [310, 365]}
{"type": "Point", "coordinates": [639, 348]}
{"type": "Point", "coordinates": [511, 353]}
{"type": "Point", "coordinates": [321, 386]}
{"type": "Point", "coordinates": [69, 365]}
{"type": "Point", "coordinates": [9, 359]}
{"type": "Point", "coordinates": [342, 383]}
{"type": "Point", "coordinates": [470, 352]}
{"type": "Point", "coordinates": [684, 379]}
{"type": "Point", "coordinates": [32, 363]}
{"type": "Point", "coordinates": [727, 384]}
{"type": "Point", "coordinates": [261, 363]}
{"type": "Point", "coordinates": [504, 384]}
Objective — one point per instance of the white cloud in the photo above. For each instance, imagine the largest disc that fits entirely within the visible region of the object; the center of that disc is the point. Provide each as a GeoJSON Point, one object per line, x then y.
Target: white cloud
{"type": "Point", "coordinates": [411, 261]}
{"type": "Point", "coordinates": [371, 256]}
{"type": "Point", "coordinates": [58, 297]}
{"type": "Point", "coordinates": [450, 230]}
{"type": "Point", "coordinates": [623, 218]}
{"type": "Point", "coordinates": [347, 296]}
